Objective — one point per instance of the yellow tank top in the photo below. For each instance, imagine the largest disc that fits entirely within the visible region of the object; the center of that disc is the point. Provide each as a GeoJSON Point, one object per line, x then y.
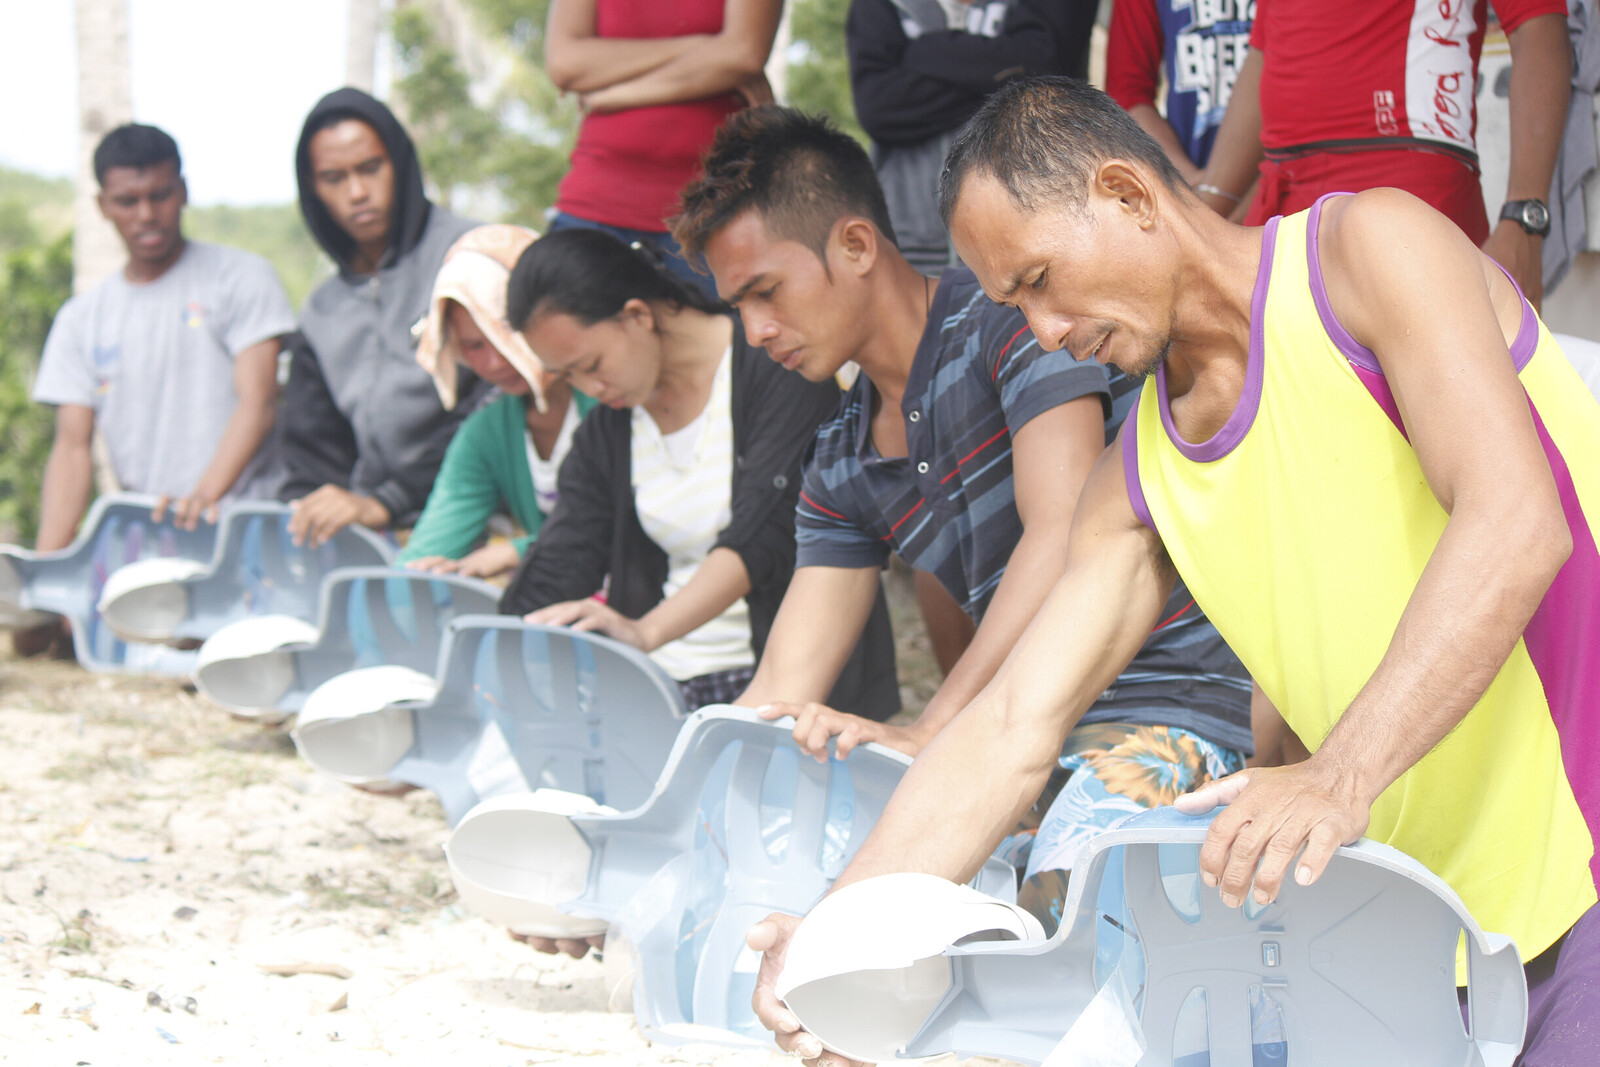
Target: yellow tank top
{"type": "Point", "coordinates": [1302, 529]}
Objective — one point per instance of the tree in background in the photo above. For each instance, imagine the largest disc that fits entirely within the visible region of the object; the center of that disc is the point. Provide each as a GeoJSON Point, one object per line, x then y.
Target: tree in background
{"type": "Point", "coordinates": [35, 280]}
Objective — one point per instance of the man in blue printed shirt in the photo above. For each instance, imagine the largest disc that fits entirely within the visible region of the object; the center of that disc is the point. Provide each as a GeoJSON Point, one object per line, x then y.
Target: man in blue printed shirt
{"type": "Point", "coordinates": [962, 446]}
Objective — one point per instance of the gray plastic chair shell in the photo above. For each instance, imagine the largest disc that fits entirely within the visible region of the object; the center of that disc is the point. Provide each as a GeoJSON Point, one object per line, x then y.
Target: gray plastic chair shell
{"type": "Point", "coordinates": [575, 711]}
{"type": "Point", "coordinates": [369, 616]}
{"type": "Point", "coordinates": [741, 824]}
{"type": "Point", "coordinates": [116, 531]}
{"type": "Point", "coordinates": [256, 569]}
{"type": "Point", "coordinates": [1360, 965]}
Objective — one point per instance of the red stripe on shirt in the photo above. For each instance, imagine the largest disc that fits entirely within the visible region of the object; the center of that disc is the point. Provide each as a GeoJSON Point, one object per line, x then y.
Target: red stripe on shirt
{"type": "Point", "coordinates": [1001, 358]}
{"type": "Point", "coordinates": [903, 518]}
{"type": "Point", "coordinates": [1173, 617]}
{"type": "Point", "coordinates": [969, 455]}
{"type": "Point", "coordinates": [819, 507]}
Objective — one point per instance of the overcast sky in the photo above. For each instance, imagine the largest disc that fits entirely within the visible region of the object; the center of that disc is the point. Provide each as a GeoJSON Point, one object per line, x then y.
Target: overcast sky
{"type": "Point", "coordinates": [230, 79]}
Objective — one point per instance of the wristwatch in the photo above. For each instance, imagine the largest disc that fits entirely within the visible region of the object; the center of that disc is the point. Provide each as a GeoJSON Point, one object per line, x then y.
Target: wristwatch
{"type": "Point", "coordinates": [1531, 215]}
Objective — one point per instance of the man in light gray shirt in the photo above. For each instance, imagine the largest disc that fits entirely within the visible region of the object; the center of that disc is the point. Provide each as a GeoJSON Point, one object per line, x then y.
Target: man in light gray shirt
{"type": "Point", "coordinates": [174, 357]}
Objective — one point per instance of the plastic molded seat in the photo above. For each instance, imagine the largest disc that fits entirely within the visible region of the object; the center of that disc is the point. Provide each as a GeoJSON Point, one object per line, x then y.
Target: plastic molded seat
{"type": "Point", "coordinates": [116, 531]}
{"type": "Point", "coordinates": [1150, 967]}
{"type": "Point", "coordinates": [740, 825]}
{"type": "Point", "coordinates": [255, 569]}
{"type": "Point", "coordinates": [522, 707]}
{"type": "Point", "coordinates": [369, 617]}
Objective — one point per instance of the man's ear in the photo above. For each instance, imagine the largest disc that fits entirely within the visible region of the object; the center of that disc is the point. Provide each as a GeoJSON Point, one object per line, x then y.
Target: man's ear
{"type": "Point", "coordinates": [854, 241]}
{"type": "Point", "coordinates": [100, 202]}
{"type": "Point", "coordinates": [1130, 186]}
{"type": "Point", "coordinates": [183, 191]}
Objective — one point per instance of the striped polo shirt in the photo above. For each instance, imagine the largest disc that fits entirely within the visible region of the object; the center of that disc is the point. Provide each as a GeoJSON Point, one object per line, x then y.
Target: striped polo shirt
{"type": "Point", "coordinates": [949, 506]}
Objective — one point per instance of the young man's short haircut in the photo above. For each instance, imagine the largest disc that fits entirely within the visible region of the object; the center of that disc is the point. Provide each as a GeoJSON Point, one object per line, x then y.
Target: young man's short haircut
{"type": "Point", "coordinates": [133, 145]}
{"type": "Point", "coordinates": [797, 170]}
{"type": "Point", "coordinates": [1043, 138]}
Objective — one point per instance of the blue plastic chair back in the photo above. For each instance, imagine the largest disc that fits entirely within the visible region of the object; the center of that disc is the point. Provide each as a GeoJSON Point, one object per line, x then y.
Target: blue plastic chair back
{"type": "Point", "coordinates": [524, 707]}
{"type": "Point", "coordinates": [116, 531]}
{"type": "Point", "coordinates": [740, 825]}
{"type": "Point", "coordinates": [258, 570]}
{"type": "Point", "coordinates": [1357, 968]}
{"type": "Point", "coordinates": [369, 617]}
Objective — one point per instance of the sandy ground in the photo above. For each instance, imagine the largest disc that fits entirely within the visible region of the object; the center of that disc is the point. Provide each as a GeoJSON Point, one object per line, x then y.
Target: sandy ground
{"type": "Point", "coordinates": [160, 854]}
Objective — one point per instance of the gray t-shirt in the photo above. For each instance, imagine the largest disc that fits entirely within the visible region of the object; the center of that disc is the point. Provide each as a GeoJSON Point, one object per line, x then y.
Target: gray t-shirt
{"type": "Point", "coordinates": [155, 363]}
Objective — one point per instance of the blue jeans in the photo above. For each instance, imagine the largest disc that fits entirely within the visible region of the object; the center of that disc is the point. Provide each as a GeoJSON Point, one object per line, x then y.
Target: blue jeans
{"type": "Point", "coordinates": [671, 251]}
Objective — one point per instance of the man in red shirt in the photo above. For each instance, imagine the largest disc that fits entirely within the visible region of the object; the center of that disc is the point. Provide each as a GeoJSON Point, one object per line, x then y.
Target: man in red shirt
{"type": "Point", "coordinates": [1344, 95]}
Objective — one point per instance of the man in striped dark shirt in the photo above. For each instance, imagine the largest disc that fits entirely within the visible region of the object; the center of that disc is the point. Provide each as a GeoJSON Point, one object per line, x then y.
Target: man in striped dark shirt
{"type": "Point", "coordinates": [962, 446]}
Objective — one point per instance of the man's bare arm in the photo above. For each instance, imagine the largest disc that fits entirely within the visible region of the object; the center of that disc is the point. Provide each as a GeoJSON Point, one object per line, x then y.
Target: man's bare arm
{"type": "Point", "coordinates": [1051, 458]}
{"type": "Point", "coordinates": [1406, 283]}
{"type": "Point", "coordinates": [68, 478]}
{"type": "Point", "coordinates": [1540, 92]}
{"type": "Point", "coordinates": [1236, 152]}
{"type": "Point", "coordinates": [1155, 124]}
{"type": "Point", "coordinates": [255, 381]}
{"type": "Point", "coordinates": [819, 622]}
{"type": "Point", "coordinates": [998, 752]}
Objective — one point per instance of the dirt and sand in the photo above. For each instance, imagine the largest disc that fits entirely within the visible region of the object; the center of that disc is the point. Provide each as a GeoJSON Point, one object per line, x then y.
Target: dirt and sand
{"type": "Point", "coordinates": [162, 860]}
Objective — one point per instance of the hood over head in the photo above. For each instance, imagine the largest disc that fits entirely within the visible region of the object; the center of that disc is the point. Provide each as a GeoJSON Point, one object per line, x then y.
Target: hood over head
{"type": "Point", "coordinates": [411, 204]}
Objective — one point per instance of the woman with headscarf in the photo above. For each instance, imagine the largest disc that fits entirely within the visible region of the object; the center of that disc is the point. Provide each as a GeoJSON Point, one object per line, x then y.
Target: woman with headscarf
{"type": "Point", "coordinates": [507, 455]}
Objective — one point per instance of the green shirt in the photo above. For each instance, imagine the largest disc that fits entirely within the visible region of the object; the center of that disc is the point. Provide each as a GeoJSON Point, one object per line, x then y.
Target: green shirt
{"type": "Point", "coordinates": [484, 470]}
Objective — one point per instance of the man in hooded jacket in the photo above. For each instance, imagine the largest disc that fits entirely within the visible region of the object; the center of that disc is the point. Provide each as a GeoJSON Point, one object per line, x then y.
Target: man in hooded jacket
{"type": "Point", "coordinates": [363, 429]}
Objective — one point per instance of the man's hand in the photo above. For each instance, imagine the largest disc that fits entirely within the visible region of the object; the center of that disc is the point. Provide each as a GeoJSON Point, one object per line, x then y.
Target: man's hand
{"type": "Point", "coordinates": [186, 511]}
{"type": "Point", "coordinates": [576, 947]}
{"type": "Point", "coordinates": [594, 617]}
{"type": "Point", "coordinates": [1521, 253]}
{"type": "Point", "coordinates": [434, 565]}
{"type": "Point", "coordinates": [322, 514]}
{"type": "Point", "coordinates": [1272, 813]}
{"type": "Point", "coordinates": [770, 937]}
{"type": "Point", "coordinates": [816, 724]}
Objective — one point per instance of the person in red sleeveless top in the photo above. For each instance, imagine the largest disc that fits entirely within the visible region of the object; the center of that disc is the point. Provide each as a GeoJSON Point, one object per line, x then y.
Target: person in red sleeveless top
{"type": "Point", "coordinates": [655, 79]}
{"type": "Point", "coordinates": [1346, 95]}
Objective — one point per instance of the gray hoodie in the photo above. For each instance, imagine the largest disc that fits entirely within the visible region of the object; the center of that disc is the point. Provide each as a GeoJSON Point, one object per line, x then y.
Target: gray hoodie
{"type": "Point", "coordinates": [358, 410]}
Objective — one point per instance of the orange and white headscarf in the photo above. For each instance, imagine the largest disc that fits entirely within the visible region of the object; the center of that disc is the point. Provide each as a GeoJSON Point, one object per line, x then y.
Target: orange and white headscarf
{"type": "Point", "coordinates": [474, 275]}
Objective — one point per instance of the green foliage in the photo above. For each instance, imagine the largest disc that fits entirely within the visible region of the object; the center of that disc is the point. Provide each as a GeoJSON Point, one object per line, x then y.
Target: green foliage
{"type": "Point", "coordinates": [34, 282]}
{"type": "Point", "coordinates": [819, 69]}
{"type": "Point", "coordinates": [518, 143]}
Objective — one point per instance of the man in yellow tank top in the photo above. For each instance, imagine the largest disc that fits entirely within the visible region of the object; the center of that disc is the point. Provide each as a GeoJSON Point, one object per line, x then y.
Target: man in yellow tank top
{"type": "Point", "coordinates": [1374, 470]}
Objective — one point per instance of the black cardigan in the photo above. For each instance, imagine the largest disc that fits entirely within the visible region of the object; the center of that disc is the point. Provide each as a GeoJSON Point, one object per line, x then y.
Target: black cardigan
{"type": "Point", "coordinates": [595, 531]}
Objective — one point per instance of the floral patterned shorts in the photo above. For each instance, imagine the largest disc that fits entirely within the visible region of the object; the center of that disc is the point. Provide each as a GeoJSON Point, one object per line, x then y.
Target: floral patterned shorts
{"type": "Point", "coordinates": [1108, 772]}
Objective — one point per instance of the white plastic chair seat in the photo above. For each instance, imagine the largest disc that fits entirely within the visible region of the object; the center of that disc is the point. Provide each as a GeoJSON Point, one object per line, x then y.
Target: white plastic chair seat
{"type": "Point", "coordinates": [1150, 967]}
{"type": "Point", "coordinates": [266, 666]}
{"type": "Point", "coordinates": [739, 825]}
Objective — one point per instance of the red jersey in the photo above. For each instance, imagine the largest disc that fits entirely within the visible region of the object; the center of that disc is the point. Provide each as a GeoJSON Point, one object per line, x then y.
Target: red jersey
{"type": "Point", "coordinates": [1375, 70]}
{"type": "Point", "coordinates": [628, 166]}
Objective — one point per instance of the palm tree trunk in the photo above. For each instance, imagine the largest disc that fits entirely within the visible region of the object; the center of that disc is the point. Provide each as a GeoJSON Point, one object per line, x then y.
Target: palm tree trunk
{"type": "Point", "coordinates": [104, 102]}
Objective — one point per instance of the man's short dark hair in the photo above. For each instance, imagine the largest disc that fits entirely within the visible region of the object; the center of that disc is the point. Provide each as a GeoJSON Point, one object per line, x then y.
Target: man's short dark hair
{"type": "Point", "coordinates": [799, 171]}
{"type": "Point", "coordinates": [1043, 138]}
{"type": "Point", "coordinates": [133, 145]}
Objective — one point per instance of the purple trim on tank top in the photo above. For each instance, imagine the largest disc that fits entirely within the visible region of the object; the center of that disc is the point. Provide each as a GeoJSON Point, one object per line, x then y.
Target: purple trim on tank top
{"type": "Point", "coordinates": [1563, 641]}
{"type": "Point", "coordinates": [1360, 356]}
{"type": "Point", "coordinates": [1130, 471]}
{"type": "Point", "coordinates": [1243, 417]}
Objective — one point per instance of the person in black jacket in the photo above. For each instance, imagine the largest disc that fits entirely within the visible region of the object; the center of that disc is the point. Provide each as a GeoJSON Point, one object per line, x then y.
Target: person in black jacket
{"type": "Point", "coordinates": [920, 68]}
{"type": "Point", "coordinates": [678, 497]}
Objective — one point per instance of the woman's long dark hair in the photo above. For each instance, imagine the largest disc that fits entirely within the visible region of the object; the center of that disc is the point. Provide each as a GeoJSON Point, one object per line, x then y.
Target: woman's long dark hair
{"type": "Point", "coordinates": [590, 275]}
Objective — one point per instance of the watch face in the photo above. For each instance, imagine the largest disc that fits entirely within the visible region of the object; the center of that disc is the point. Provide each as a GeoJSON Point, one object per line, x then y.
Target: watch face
{"type": "Point", "coordinates": [1535, 216]}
